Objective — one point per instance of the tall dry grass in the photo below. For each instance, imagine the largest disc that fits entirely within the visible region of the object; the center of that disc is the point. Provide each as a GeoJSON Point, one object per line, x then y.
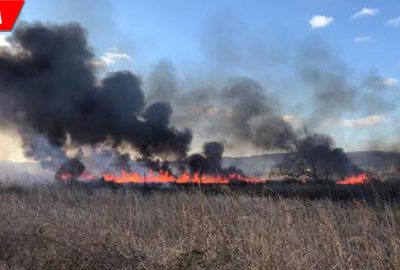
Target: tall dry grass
{"type": "Point", "coordinates": [61, 228]}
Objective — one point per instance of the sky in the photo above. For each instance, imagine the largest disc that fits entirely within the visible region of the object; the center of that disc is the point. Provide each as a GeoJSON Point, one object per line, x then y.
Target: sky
{"type": "Point", "coordinates": [212, 40]}
{"type": "Point", "coordinates": [174, 29]}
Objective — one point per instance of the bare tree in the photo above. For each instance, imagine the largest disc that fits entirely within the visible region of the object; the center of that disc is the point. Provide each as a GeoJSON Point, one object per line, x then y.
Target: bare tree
{"type": "Point", "coordinates": [314, 156]}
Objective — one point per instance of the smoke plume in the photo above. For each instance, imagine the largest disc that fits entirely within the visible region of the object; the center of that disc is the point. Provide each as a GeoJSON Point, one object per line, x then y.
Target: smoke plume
{"type": "Point", "coordinates": [52, 95]}
{"type": "Point", "coordinates": [241, 112]}
{"type": "Point", "coordinates": [210, 161]}
{"type": "Point", "coordinates": [70, 170]}
{"type": "Point", "coordinates": [49, 90]}
{"type": "Point", "coordinates": [315, 156]}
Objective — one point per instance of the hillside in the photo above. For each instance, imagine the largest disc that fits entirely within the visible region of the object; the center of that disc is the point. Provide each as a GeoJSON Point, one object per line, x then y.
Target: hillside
{"type": "Point", "coordinates": [367, 160]}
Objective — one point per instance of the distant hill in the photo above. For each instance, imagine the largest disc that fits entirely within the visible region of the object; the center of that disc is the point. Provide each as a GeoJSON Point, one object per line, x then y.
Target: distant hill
{"type": "Point", "coordinates": [254, 165]}
{"type": "Point", "coordinates": [375, 160]}
{"type": "Point", "coordinates": [367, 160]}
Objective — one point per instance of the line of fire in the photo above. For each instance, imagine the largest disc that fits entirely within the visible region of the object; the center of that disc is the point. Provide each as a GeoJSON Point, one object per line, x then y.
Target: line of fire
{"type": "Point", "coordinates": [84, 127]}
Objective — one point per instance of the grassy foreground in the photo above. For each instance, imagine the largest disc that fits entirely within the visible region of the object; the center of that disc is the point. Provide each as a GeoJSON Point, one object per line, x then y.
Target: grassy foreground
{"type": "Point", "coordinates": [72, 228]}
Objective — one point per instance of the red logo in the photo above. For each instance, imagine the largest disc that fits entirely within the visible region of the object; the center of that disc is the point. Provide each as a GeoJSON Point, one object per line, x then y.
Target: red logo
{"type": "Point", "coordinates": [9, 12]}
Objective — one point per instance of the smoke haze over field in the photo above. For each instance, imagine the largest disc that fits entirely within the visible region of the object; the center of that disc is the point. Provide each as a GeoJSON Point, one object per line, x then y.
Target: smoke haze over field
{"type": "Point", "coordinates": [250, 115]}
{"type": "Point", "coordinates": [57, 101]}
{"type": "Point", "coordinates": [83, 110]}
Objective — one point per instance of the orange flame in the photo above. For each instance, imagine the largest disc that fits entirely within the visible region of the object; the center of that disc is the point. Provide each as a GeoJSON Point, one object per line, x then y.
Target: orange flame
{"type": "Point", "coordinates": [65, 177]}
{"type": "Point", "coordinates": [354, 180]}
{"type": "Point", "coordinates": [87, 176]}
{"type": "Point", "coordinates": [185, 178]}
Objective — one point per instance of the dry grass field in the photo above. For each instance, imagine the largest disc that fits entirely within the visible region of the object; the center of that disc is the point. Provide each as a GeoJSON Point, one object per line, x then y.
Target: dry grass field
{"type": "Point", "coordinates": [73, 228]}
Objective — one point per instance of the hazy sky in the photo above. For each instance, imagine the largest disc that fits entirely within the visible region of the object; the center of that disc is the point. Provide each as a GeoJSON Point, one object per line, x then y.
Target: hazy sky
{"type": "Point", "coordinates": [257, 38]}
{"type": "Point", "coordinates": [364, 31]}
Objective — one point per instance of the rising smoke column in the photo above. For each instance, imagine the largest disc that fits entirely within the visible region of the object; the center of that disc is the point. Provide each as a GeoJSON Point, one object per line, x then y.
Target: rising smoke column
{"type": "Point", "coordinates": [314, 155]}
{"type": "Point", "coordinates": [49, 89]}
{"type": "Point", "coordinates": [70, 170]}
{"type": "Point", "coordinates": [241, 112]}
{"type": "Point", "coordinates": [253, 116]}
{"type": "Point", "coordinates": [210, 161]}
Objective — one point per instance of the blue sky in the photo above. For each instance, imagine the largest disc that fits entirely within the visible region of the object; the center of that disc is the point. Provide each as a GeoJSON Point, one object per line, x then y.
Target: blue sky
{"type": "Point", "coordinates": [363, 34]}
{"type": "Point", "coordinates": [173, 29]}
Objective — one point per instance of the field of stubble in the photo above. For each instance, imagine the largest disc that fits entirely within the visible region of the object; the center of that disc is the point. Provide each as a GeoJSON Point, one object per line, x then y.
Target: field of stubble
{"type": "Point", "coordinates": [67, 228]}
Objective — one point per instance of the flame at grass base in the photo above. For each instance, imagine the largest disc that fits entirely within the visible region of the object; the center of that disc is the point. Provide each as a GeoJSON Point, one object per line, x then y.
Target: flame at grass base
{"type": "Point", "coordinates": [354, 180]}
{"type": "Point", "coordinates": [185, 178]}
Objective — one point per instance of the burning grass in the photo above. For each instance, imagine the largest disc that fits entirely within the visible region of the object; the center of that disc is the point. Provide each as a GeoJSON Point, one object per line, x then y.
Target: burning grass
{"type": "Point", "coordinates": [81, 228]}
{"type": "Point", "coordinates": [185, 178]}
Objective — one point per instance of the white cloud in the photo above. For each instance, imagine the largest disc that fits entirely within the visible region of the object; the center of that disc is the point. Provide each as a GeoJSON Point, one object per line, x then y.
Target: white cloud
{"type": "Point", "coordinates": [320, 21]}
{"type": "Point", "coordinates": [393, 22]}
{"type": "Point", "coordinates": [111, 57]}
{"type": "Point", "coordinates": [362, 39]}
{"type": "Point", "coordinates": [291, 119]}
{"type": "Point", "coordinates": [390, 82]}
{"type": "Point", "coordinates": [365, 12]}
{"type": "Point", "coordinates": [9, 48]}
{"type": "Point", "coordinates": [369, 121]}
{"type": "Point", "coordinates": [3, 41]}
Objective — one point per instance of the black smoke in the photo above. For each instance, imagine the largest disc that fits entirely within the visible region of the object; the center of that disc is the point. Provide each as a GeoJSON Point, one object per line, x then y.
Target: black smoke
{"type": "Point", "coordinates": [158, 165]}
{"type": "Point", "coordinates": [239, 113]}
{"type": "Point", "coordinates": [314, 156]}
{"type": "Point", "coordinates": [253, 116]}
{"type": "Point", "coordinates": [70, 170]}
{"type": "Point", "coordinates": [213, 152]}
{"type": "Point", "coordinates": [49, 88]}
{"type": "Point", "coordinates": [50, 92]}
{"type": "Point", "coordinates": [210, 161]}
